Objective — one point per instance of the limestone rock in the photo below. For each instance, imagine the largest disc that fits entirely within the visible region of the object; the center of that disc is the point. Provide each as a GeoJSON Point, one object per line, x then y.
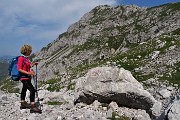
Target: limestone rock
{"type": "Point", "coordinates": [107, 84]}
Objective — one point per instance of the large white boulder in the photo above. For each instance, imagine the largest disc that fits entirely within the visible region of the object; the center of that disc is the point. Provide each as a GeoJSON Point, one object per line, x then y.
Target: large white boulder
{"type": "Point", "coordinates": [107, 84]}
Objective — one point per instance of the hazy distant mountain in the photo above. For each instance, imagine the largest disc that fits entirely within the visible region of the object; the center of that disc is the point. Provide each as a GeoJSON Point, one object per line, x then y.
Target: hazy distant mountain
{"type": "Point", "coordinates": [5, 59]}
{"type": "Point", "coordinates": [4, 63]}
{"type": "Point", "coordinates": [3, 70]}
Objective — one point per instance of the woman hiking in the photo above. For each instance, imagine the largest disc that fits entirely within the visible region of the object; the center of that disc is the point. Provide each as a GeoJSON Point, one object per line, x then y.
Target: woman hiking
{"type": "Point", "coordinates": [24, 68]}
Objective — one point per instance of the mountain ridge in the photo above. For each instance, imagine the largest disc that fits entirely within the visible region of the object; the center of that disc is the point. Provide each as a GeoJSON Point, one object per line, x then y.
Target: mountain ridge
{"type": "Point", "coordinates": [109, 33]}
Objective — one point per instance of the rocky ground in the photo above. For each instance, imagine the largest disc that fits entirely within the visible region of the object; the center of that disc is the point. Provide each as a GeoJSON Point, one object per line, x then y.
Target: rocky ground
{"type": "Point", "coordinates": [103, 93]}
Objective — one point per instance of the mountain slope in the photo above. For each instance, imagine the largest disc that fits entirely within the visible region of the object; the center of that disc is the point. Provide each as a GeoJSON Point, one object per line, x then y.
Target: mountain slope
{"type": "Point", "coordinates": [3, 69]}
{"type": "Point", "coordinates": [145, 41]}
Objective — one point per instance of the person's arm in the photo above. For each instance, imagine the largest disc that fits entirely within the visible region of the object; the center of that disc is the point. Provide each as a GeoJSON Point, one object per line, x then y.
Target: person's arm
{"type": "Point", "coordinates": [25, 72]}
{"type": "Point", "coordinates": [35, 63]}
{"type": "Point", "coordinates": [20, 67]}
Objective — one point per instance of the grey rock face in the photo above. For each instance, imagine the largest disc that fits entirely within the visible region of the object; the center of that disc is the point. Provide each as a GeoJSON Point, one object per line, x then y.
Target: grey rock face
{"type": "Point", "coordinates": [107, 84]}
{"type": "Point", "coordinates": [173, 113]}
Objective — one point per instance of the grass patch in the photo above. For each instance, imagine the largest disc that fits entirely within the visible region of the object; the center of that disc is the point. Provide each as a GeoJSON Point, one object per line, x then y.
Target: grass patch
{"type": "Point", "coordinates": [54, 85]}
{"type": "Point", "coordinates": [9, 86]}
{"type": "Point", "coordinates": [141, 77]}
{"type": "Point", "coordinates": [55, 103]}
{"type": "Point", "coordinates": [176, 32]}
{"type": "Point", "coordinates": [169, 43]}
{"type": "Point", "coordinates": [173, 77]}
{"type": "Point", "coordinates": [71, 86]}
{"type": "Point", "coordinates": [115, 42]}
{"type": "Point", "coordinates": [57, 85]}
{"type": "Point", "coordinates": [174, 6]}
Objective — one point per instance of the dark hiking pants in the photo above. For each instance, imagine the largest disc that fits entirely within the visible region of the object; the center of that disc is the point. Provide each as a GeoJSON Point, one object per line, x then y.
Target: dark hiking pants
{"type": "Point", "coordinates": [27, 85]}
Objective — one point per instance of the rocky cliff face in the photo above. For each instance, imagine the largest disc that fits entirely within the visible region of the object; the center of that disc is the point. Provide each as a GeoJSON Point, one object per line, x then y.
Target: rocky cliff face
{"type": "Point", "coordinates": [143, 40]}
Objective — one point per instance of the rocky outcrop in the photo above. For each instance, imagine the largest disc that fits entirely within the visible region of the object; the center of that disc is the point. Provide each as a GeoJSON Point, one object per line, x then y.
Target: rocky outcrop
{"type": "Point", "coordinates": [107, 84]}
{"type": "Point", "coordinates": [173, 111]}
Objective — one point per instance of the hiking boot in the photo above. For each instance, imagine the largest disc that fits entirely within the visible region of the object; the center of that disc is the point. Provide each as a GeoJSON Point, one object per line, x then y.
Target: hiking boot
{"type": "Point", "coordinates": [34, 109]}
{"type": "Point", "coordinates": [25, 105]}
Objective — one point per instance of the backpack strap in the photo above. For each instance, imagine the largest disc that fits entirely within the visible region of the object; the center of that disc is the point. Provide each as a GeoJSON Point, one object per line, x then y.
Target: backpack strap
{"type": "Point", "coordinates": [24, 61]}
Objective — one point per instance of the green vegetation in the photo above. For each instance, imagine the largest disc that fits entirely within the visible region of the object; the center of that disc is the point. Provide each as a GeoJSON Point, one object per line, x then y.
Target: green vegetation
{"type": "Point", "coordinates": [167, 9]}
{"type": "Point", "coordinates": [65, 34]}
{"type": "Point", "coordinates": [83, 68]}
{"type": "Point", "coordinates": [99, 15]}
{"type": "Point", "coordinates": [130, 60]}
{"type": "Point", "coordinates": [139, 27]}
{"type": "Point", "coordinates": [168, 43]}
{"type": "Point", "coordinates": [55, 103]}
{"type": "Point", "coordinates": [90, 44]}
{"type": "Point", "coordinates": [162, 14]}
{"type": "Point", "coordinates": [57, 85]}
{"type": "Point", "coordinates": [171, 6]}
{"type": "Point", "coordinates": [71, 86]}
{"type": "Point", "coordinates": [174, 6]}
{"type": "Point", "coordinates": [47, 47]}
{"type": "Point", "coordinates": [9, 86]}
{"type": "Point", "coordinates": [114, 42]}
{"type": "Point", "coordinates": [141, 77]}
{"type": "Point", "coordinates": [176, 32]}
{"type": "Point", "coordinates": [175, 76]}
{"type": "Point", "coordinates": [73, 33]}
{"type": "Point", "coordinates": [54, 85]}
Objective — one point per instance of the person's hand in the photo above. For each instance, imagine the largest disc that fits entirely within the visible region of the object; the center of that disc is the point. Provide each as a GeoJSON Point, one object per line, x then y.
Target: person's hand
{"type": "Point", "coordinates": [36, 63]}
{"type": "Point", "coordinates": [31, 73]}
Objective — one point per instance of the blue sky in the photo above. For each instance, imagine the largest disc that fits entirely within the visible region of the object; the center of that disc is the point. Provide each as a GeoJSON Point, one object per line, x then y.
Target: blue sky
{"type": "Point", "coordinates": [39, 22]}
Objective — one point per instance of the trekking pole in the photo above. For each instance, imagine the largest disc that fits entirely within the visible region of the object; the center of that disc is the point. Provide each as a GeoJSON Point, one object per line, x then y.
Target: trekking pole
{"type": "Point", "coordinates": [35, 84]}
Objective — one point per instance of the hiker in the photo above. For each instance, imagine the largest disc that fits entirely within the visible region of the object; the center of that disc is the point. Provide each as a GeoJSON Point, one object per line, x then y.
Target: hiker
{"type": "Point", "coordinates": [26, 75]}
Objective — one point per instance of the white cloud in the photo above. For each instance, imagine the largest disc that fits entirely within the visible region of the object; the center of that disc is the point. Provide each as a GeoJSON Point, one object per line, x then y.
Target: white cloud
{"type": "Point", "coordinates": [41, 19]}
